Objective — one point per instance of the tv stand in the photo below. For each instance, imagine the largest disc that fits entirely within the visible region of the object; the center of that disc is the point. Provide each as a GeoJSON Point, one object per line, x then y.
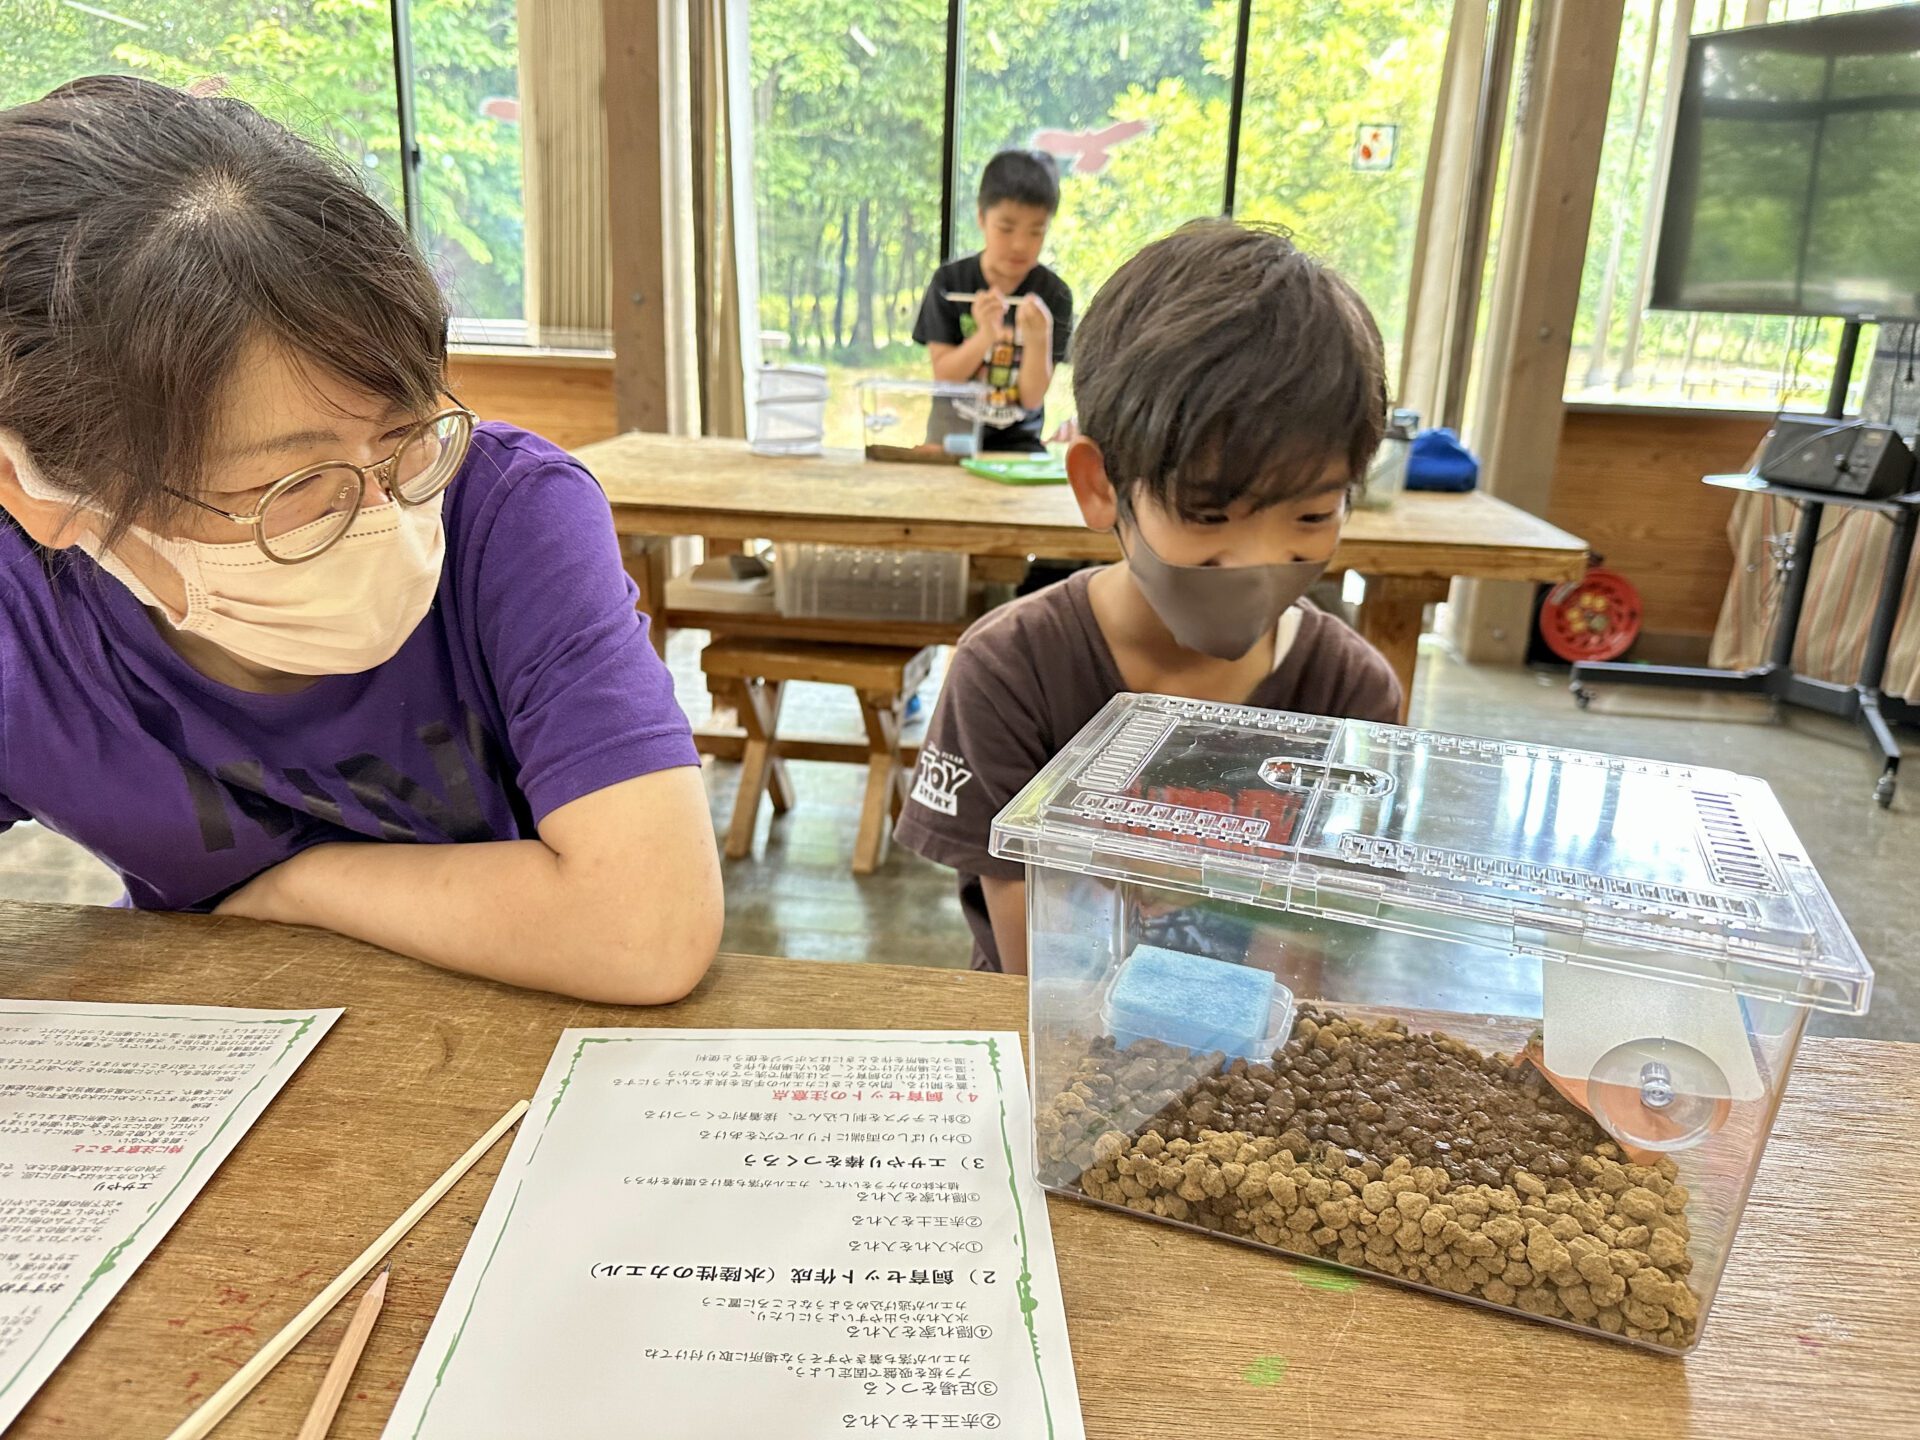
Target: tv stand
{"type": "Point", "coordinates": [1864, 700]}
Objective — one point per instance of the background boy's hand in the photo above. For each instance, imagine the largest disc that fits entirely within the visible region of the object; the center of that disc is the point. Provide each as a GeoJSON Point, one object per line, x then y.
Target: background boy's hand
{"type": "Point", "coordinates": [989, 311]}
{"type": "Point", "coordinates": [1033, 319]}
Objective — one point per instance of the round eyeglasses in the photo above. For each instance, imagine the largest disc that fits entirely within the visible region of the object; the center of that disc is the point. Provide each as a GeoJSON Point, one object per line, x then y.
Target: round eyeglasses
{"type": "Point", "coordinates": [304, 514]}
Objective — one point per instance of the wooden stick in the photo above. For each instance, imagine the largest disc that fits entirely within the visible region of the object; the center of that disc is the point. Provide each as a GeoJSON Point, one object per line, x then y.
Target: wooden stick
{"type": "Point", "coordinates": [333, 1388]}
{"type": "Point", "coordinates": [967, 297]}
{"type": "Point", "coordinates": [211, 1413]}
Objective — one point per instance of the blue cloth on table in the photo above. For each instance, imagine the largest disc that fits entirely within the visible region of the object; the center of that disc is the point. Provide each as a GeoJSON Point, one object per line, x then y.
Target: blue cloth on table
{"type": "Point", "coordinates": [1438, 461]}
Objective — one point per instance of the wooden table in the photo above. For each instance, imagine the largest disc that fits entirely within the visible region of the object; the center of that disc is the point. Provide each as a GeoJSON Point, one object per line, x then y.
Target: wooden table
{"type": "Point", "coordinates": [1174, 1334]}
{"type": "Point", "coordinates": [662, 486]}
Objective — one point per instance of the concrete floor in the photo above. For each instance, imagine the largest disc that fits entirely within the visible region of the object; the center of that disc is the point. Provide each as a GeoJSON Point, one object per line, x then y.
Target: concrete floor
{"type": "Point", "coordinates": [796, 897]}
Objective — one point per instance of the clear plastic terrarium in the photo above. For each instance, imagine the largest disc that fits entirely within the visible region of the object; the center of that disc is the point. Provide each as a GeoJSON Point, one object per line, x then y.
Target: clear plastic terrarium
{"type": "Point", "coordinates": [1506, 1022]}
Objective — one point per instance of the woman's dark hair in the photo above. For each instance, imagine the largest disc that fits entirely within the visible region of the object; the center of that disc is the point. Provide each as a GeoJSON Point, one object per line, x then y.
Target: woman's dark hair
{"type": "Point", "coordinates": [1026, 177]}
{"type": "Point", "coordinates": [146, 237]}
{"type": "Point", "coordinates": [1223, 364]}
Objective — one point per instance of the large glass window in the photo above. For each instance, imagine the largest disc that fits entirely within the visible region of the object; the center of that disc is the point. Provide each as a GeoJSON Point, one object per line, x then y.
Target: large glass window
{"type": "Point", "coordinates": [1130, 96]}
{"type": "Point", "coordinates": [466, 66]}
{"type": "Point", "coordinates": [848, 105]}
{"type": "Point", "coordinates": [325, 69]}
{"type": "Point", "coordinates": [1626, 354]}
{"type": "Point", "coordinates": [1339, 108]}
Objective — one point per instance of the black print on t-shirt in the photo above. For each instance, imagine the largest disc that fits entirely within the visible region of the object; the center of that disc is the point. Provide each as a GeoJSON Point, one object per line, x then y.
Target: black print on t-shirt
{"type": "Point", "coordinates": [406, 810]}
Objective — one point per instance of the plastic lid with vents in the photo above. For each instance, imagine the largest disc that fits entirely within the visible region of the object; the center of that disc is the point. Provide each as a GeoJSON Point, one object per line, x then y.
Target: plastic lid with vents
{"type": "Point", "coordinates": [1636, 866]}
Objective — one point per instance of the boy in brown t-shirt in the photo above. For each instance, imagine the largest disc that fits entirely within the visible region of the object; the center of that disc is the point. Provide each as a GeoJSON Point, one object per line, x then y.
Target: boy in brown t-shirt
{"type": "Point", "coordinates": [1230, 390]}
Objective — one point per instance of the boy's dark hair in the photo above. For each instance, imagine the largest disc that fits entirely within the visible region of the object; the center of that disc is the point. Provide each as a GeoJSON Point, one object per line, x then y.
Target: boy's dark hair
{"type": "Point", "coordinates": [146, 236]}
{"type": "Point", "coordinates": [1026, 177]}
{"type": "Point", "coordinates": [1222, 364]}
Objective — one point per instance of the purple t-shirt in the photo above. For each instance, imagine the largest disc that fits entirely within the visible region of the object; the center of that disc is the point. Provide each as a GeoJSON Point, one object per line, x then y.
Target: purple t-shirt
{"type": "Point", "coordinates": [530, 683]}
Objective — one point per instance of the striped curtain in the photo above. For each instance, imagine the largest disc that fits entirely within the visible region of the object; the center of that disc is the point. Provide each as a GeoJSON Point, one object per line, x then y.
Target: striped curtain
{"type": "Point", "coordinates": [1841, 595]}
{"type": "Point", "coordinates": [1847, 559]}
{"type": "Point", "coordinates": [563, 135]}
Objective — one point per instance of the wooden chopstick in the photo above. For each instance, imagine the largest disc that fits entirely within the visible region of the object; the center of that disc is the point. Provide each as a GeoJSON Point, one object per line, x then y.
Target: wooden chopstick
{"type": "Point", "coordinates": [216, 1406]}
{"type": "Point", "coordinates": [333, 1388]}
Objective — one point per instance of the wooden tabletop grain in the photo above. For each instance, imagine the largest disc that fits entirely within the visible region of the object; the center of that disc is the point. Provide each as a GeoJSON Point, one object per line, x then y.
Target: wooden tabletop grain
{"type": "Point", "coordinates": [1173, 1334]}
{"type": "Point", "coordinates": [675, 485]}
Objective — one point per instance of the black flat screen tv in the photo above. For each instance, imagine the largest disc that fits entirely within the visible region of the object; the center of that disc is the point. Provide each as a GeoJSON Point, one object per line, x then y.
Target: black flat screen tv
{"type": "Point", "coordinates": [1794, 187]}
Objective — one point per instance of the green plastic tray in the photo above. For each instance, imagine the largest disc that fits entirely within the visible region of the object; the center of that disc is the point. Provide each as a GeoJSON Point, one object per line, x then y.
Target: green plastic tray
{"type": "Point", "coordinates": [1019, 469]}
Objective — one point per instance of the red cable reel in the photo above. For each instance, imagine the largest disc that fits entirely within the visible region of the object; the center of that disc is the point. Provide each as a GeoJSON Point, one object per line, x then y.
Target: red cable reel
{"type": "Point", "coordinates": [1596, 617]}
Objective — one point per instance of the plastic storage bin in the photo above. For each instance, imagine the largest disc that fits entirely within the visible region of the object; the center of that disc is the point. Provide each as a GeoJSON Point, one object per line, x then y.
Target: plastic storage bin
{"type": "Point", "coordinates": [845, 582]}
{"type": "Point", "coordinates": [934, 422]}
{"type": "Point", "coordinates": [1525, 1014]}
{"type": "Point", "coordinates": [790, 410]}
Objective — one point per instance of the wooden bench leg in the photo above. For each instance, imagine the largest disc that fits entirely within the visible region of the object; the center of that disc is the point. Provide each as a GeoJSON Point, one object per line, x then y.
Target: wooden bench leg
{"type": "Point", "coordinates": [1390, 619]}
{"type": "Point", "coordinates": [760, 768]}
{"type": "Point", "coordinates": [780, 785]}
{"type": "Point", "coordinates": [723, 706]}
{"type": "Point", "coordinates": [738, 696]}
{"type": "Point", "coordinates": [884, 775]}
{"type": "Point", "coordinates": [646, 560]}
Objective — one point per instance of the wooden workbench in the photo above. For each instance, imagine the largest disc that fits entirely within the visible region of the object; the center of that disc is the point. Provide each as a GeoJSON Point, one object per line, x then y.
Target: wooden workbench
{"type": "Point", "coordinates": [662, 486]}
{"type": "Point", "coordinates": [1174, 1334]}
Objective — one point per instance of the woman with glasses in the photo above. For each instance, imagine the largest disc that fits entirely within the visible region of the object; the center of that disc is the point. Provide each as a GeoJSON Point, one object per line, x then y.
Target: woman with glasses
{"type": "Point", "coordinates": [283, 632]}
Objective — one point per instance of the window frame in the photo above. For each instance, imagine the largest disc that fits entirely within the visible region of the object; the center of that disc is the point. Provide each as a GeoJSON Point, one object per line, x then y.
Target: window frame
{"type": "Point", "coordinates": [400, 16]}
{"type": "Point", "coordinates": [956, 59]}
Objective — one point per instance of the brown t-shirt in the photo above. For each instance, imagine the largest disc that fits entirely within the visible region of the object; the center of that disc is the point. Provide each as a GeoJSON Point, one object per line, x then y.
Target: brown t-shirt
{"type": "Point", "coordinates": [1028, 677]}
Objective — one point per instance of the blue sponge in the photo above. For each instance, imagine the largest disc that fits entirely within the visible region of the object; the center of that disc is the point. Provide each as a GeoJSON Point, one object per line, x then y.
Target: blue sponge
{"type": "Point", "coordinates": [1192, 1001]}
{"type": "Point", "coordinates": [1070, 959]}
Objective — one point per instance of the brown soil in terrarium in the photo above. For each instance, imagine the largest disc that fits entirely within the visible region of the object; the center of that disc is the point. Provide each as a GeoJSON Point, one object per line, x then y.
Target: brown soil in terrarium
{"type": "Point", "coordinates": [1411, 1154]}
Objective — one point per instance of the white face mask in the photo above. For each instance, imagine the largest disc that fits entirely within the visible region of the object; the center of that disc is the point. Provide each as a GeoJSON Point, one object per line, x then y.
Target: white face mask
{"type": "Point", "coordinates": [340, 613]}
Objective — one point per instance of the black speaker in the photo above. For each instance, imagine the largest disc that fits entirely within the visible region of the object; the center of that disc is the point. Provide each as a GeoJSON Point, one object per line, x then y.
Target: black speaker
{"type": "Point", "coordinates": [1845, 457]}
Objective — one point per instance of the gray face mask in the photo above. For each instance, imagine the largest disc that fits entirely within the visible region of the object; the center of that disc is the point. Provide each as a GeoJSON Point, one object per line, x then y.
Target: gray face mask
{"type": "Point", "coordinates": [1219, 610]}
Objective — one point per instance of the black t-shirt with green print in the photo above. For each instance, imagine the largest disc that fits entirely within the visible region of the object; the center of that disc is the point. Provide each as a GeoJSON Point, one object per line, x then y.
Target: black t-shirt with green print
{"type": "Point", "coordinates": [950, 322]}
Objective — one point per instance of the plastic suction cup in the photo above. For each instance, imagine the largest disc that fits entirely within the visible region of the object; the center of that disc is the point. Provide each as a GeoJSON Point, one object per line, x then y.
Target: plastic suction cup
{"type": "Point", "coordinates": [1658, 1094]}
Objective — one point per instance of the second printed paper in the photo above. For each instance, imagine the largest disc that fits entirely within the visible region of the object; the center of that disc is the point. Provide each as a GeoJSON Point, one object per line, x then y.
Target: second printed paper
{"type": "Point", "coordinates": [701, 1233]}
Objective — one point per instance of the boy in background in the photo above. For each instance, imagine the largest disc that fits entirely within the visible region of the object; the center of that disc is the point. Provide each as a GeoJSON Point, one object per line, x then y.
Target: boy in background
{"type": "Point", "coordinates": [1015, 317]}
{"type": "Point", "coordinates": [1231, 391]}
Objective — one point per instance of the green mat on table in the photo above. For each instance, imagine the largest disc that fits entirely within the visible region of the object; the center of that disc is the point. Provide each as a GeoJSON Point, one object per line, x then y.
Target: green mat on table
{"type": "Point", "coordinates": [1019, 469]}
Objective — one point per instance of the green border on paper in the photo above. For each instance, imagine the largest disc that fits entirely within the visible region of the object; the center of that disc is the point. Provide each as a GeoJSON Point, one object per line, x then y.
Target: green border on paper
{"type": "Point", "coordinates": [1023, 1286]}
{"type": "Point", "coordinates": [112, 1257]}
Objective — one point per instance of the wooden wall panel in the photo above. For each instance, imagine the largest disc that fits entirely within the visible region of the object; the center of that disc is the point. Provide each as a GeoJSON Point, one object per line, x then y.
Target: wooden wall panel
{"type": "Point", "coordinates": [1628, 483]}
{"type": "Point", "coordinates": [567, 398]}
